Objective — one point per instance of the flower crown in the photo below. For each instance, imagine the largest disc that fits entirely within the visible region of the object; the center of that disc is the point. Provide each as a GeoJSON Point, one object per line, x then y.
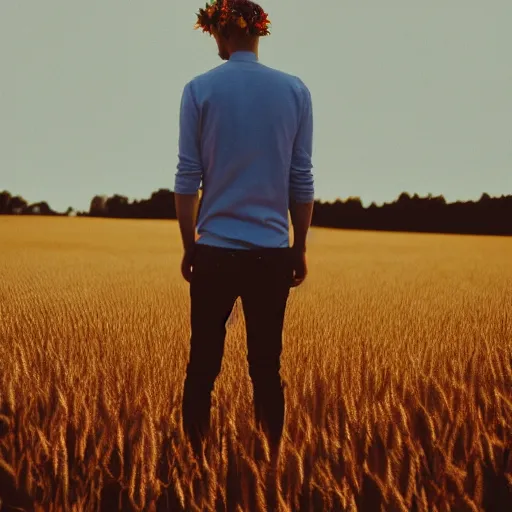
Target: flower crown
{"type": "Point", "coordinates": [245, 14]}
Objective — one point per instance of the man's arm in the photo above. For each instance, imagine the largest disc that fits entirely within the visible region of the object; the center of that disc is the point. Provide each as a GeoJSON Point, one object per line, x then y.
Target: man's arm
{"type": "Point", "coordinates": [187, 206]}
{"type": "Point", "coordinates": [301, 214]}
{"type": "Point", "coordinates": [190, 170]}
{"type": "Point", "coordinates": [301, 178]}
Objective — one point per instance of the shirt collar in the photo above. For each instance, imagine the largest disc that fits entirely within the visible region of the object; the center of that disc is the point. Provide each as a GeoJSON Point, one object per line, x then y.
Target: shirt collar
{"type": "Point", "coordinates": [243, 56]}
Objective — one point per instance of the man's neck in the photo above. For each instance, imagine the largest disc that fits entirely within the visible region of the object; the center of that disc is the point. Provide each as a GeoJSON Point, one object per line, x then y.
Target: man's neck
{"type": "Point", "coordinates": [253, 50]}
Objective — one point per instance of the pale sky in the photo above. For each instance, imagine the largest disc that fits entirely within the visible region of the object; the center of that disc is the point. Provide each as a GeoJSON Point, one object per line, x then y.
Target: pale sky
{"type": "Point", "coordinates": [408, 95]}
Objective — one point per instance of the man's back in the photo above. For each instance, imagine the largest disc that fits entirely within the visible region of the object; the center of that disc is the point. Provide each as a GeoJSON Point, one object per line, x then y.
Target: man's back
{"type": "Point", "coordinates": [246, 131]}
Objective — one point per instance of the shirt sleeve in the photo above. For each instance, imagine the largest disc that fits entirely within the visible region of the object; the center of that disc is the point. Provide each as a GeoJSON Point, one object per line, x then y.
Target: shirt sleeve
{"type": "Point", "coordinates": [301, 177]}
{"type": "Point", "coordinates": [190, 170]}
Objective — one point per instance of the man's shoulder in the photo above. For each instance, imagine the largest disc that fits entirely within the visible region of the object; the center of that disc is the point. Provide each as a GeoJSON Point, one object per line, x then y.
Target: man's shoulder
{"type": "Point", "coordinates": [285, 77]}
{"type": "Point", "coordinates": [207, 75]}
{"type": "Point", "coordinates": [202, 78]}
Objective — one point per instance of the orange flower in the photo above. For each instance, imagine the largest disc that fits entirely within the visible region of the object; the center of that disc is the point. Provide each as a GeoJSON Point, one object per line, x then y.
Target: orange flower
{"type": "Point", "coordinates": [220, 13]}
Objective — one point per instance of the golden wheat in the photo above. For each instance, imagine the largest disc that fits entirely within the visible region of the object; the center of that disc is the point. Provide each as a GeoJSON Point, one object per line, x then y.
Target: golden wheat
{"type": "Point", "coordinates": [397, 358]}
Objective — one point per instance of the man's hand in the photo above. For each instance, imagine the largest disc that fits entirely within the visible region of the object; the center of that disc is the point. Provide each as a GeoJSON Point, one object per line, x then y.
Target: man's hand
{"type": "Point", "coordinates": [186, 211]}
{"type": "Point", "coordinates": [300, 268]}
{"type": "Point", "coordinates": [187, 264]}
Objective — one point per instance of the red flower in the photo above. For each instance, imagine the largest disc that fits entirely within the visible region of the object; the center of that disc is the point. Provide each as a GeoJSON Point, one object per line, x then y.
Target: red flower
{"type": "Point", "coordinates": [243, 13]}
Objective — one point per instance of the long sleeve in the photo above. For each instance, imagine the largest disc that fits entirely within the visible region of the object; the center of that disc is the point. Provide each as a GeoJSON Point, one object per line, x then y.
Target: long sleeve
{"type": "Point", "coordinates": [301, 177]}
{"type": "Point", "coordinates": [190, 171]}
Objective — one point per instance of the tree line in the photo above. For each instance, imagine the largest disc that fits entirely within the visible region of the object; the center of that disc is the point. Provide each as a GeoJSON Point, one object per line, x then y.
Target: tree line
{"type": "Point", "coordinates": [487, 216]}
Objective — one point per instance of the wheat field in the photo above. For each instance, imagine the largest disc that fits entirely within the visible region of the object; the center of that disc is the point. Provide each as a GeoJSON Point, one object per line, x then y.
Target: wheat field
{"type": "Point", "coordinates": [397, 360]}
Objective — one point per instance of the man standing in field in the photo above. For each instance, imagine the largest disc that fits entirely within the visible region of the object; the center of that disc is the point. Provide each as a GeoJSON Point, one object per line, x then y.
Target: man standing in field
{"type": "Point", "coordinates": [246, 132]}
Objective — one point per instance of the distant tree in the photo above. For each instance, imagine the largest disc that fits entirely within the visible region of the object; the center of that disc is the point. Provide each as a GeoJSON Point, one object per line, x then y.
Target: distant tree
{"type": "Point", "coordinates": [162, 204]}
{"type": "Point", "coordinates": [354, 202]}
{"type": "Point", "coordinates": [117, 206]}
{"type": "Point", "coordinates": [5, 199]}
{"type": "Point", "coordinates": [404, 198]}
{"type": "Point", "coordinates": [41, 208]}
{"type": "Point", "coordinates": [44, 208]}
{"type": "Point", "coordinates": [98, 206]}
{"type": "Point", "coordinates": [18, 205]}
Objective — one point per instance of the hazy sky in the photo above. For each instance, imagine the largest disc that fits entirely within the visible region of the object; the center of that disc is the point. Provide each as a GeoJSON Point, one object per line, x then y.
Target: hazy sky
{"type": "Point", "coordinates": [407, 95]}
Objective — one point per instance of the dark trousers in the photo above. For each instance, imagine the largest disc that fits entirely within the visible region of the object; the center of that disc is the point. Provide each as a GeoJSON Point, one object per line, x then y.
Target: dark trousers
{"type": "Point", "coordinates": [262, 278]}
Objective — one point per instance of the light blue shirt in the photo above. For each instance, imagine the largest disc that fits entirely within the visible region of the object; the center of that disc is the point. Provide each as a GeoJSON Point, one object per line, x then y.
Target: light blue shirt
{"type": "Point", "coordinates": [246, 133]}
